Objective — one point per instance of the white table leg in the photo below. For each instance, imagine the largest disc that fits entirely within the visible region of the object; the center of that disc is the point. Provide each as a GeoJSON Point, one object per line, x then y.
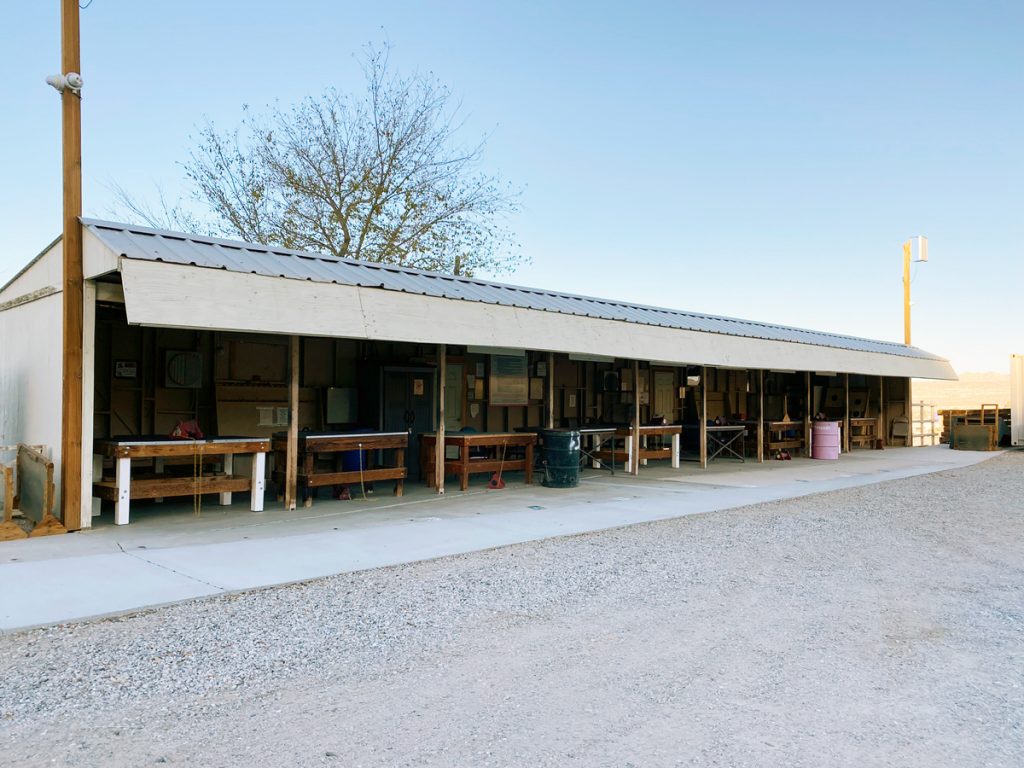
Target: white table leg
{"type": "Point", "coordinates": [675, 451]}
{"type": "Point", "coordinates": [629, 455]}
{"type": "Point", "coordinates": [158, 467]}
{"type": "Point", "coordinates": [259, 463]}
{"type": "Point", "coordinates": [229, 465]}
{"type": "Point", "coordinates": [123, 483]}
{"type": "Point", "coordinates": [643, 444]}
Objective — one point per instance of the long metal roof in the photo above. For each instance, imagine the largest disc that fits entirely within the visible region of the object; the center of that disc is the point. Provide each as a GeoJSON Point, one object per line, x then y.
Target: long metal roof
{"type": "Point", "coordinates": [134, 242]}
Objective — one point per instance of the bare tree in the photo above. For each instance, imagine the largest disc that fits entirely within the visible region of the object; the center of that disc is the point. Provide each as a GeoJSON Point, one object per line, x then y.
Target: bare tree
{"type": "Point", "coordinates": [378, 177]}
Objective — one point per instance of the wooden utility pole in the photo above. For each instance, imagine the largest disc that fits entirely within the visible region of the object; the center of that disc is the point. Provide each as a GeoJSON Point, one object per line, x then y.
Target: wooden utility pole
{"type": "Point", "coordinates": [71, 399]}
{"type": "Point", "coordinates": [906, 293]}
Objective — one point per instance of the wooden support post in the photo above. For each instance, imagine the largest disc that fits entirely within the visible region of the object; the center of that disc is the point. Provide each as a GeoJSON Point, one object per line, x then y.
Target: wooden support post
{"type": "Point", "coordinates": [908, 411]}
{"type": "Point", "coordinates": [90, 506]}
{"type": "Point", "coordinates": [291, 470]}
{"type": "Point", "coordinates": [760, 419]}
{"type": "Point", "coordinates": [883, 432]}
{"type": "Point", "coordinates": [704, 417]}
{"type": "Point", "coordinates": [549, 421]}
{"type": "Point", "coordinates": [807, 416]}
{"type": "Point", "coordinates": [635, 437]}
{"type": "Point", "coordinates": [439, 443]}
{"type": "Point", "coordinates": [71, 400]}
{"type": "Point", "coordinates": [846, 416]}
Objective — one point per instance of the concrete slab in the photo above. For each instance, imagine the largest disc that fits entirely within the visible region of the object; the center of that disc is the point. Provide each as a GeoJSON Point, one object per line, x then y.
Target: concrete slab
{"type": "Point", "coordinates": [169, 554]}
{"type": "Point", "coordinates": [52, 592]}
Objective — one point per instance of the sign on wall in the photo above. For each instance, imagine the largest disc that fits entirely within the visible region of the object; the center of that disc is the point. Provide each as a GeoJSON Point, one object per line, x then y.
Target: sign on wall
{"type": "Point", "coordinates": [509, 380]}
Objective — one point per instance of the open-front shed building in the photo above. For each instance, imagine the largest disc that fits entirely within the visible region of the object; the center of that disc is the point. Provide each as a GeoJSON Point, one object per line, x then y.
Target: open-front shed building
{"type": "Point", "coordinates": [244, 341]}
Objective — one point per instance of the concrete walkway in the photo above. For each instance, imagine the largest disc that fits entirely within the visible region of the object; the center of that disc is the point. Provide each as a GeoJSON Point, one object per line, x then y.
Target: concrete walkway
{"type": "Point", "coordinates": [168, 554]}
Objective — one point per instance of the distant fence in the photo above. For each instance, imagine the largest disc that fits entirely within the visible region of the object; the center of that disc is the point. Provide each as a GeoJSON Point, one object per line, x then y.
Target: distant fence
{"type": "Point", "coordinates": [923, 424]}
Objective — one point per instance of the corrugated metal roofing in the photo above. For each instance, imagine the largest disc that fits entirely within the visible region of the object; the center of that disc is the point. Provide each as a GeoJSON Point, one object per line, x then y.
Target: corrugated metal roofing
{"type": "Point", "coordinates": [177, 248]}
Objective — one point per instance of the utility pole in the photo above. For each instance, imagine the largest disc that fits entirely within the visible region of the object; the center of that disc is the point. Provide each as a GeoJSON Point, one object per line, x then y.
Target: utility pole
{"type": "Point", "coordinates": [906, 293]}
{"type": "Point", "coordinates": [71, 408]}
{"type": "Point", "coordinates": [922, 256]}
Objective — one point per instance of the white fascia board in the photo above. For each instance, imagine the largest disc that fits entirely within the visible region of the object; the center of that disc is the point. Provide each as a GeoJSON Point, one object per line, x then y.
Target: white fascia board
{"type": "Point", "coordinates": [173, 295]}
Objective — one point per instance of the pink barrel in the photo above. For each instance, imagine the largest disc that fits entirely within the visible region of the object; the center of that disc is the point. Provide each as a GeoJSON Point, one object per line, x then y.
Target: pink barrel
{"type": "Point", "coordinates": [825, 440]}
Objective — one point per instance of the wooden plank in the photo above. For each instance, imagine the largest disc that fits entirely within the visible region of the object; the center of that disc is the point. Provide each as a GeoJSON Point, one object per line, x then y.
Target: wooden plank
{"type": "Point", "coordinates": [179, 448]}
{"type": "Point", "coordinates": [321, 479]}
{"type": "Point", "coordinates": [157, 487]}
{"type": "Point", "coordinates": [341, 442]}
{"type": "Point", "coordinates": [9, 530]}
{"type": "Point", "coordinates": [35, 484]}
{"type": "Point", "coordinates": [73, 297]}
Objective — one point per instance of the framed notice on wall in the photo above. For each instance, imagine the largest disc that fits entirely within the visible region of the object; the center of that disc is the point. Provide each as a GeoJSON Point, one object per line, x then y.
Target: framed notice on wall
{"type": "Point", "coordinates": [509, 380]}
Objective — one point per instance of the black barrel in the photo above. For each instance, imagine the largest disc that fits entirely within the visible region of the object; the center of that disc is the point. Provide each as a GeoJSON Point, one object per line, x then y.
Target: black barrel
{"type": "Point", "coordinates": [561, 458]}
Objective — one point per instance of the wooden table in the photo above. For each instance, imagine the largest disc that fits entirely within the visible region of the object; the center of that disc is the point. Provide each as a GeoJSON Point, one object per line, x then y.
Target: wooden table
{"type": "Point", "coordinates": [647, 451]}
{"type": "Point", "coordinates": [863, 432]}
{"type": "Point", "coordinates": [776, 439]}
{"type": "Point", "coordinates": [316, 445]}
{"type": "Point", "coordinates": [495, 447]}
{"type": "Point", "coordinates": [123, 487]}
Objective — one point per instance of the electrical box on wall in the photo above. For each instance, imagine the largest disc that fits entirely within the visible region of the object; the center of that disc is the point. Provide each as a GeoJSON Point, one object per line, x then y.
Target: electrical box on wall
{"type": "Point", "coordinates": [183, 370]}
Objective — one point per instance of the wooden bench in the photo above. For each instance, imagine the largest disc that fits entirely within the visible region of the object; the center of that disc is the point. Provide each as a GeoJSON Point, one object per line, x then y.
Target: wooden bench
{"type": "Point", "coordinates": [495, 444]}
{"type": "Point", "coordinates": [319, 445]}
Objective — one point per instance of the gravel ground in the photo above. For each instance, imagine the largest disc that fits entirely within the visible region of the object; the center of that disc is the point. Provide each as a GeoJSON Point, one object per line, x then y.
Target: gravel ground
{"type": "Point", "coordinates": [877, 626]}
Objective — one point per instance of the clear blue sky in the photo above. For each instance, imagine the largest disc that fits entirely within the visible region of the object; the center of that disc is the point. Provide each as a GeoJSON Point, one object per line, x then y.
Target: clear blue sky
{"type": "Point", "coordinates": [760, 160]}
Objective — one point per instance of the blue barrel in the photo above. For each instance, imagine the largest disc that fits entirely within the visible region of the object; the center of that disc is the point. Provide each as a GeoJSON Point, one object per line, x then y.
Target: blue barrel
{"type": "Point", "coordinates": [561, 458]}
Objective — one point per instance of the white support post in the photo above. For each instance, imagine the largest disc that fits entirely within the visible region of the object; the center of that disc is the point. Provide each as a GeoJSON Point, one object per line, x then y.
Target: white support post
{"type": "Point", "coordinates": [675, 451]}
{"type": "Point", "coordinates": [259, 464]}
{"type": "Point", "coordinates": [123, 483]}
{"type": "Point", "coordinates": [229, 466]}
{"type": "Point", "coordinates": [90, 505]}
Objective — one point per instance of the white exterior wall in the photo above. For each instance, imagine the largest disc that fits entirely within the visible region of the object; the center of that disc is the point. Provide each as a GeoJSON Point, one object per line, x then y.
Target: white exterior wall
{"type": "Point", "coordinates": [30, 376]}
{"type": "Point", "coordinates": [31, 366]}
